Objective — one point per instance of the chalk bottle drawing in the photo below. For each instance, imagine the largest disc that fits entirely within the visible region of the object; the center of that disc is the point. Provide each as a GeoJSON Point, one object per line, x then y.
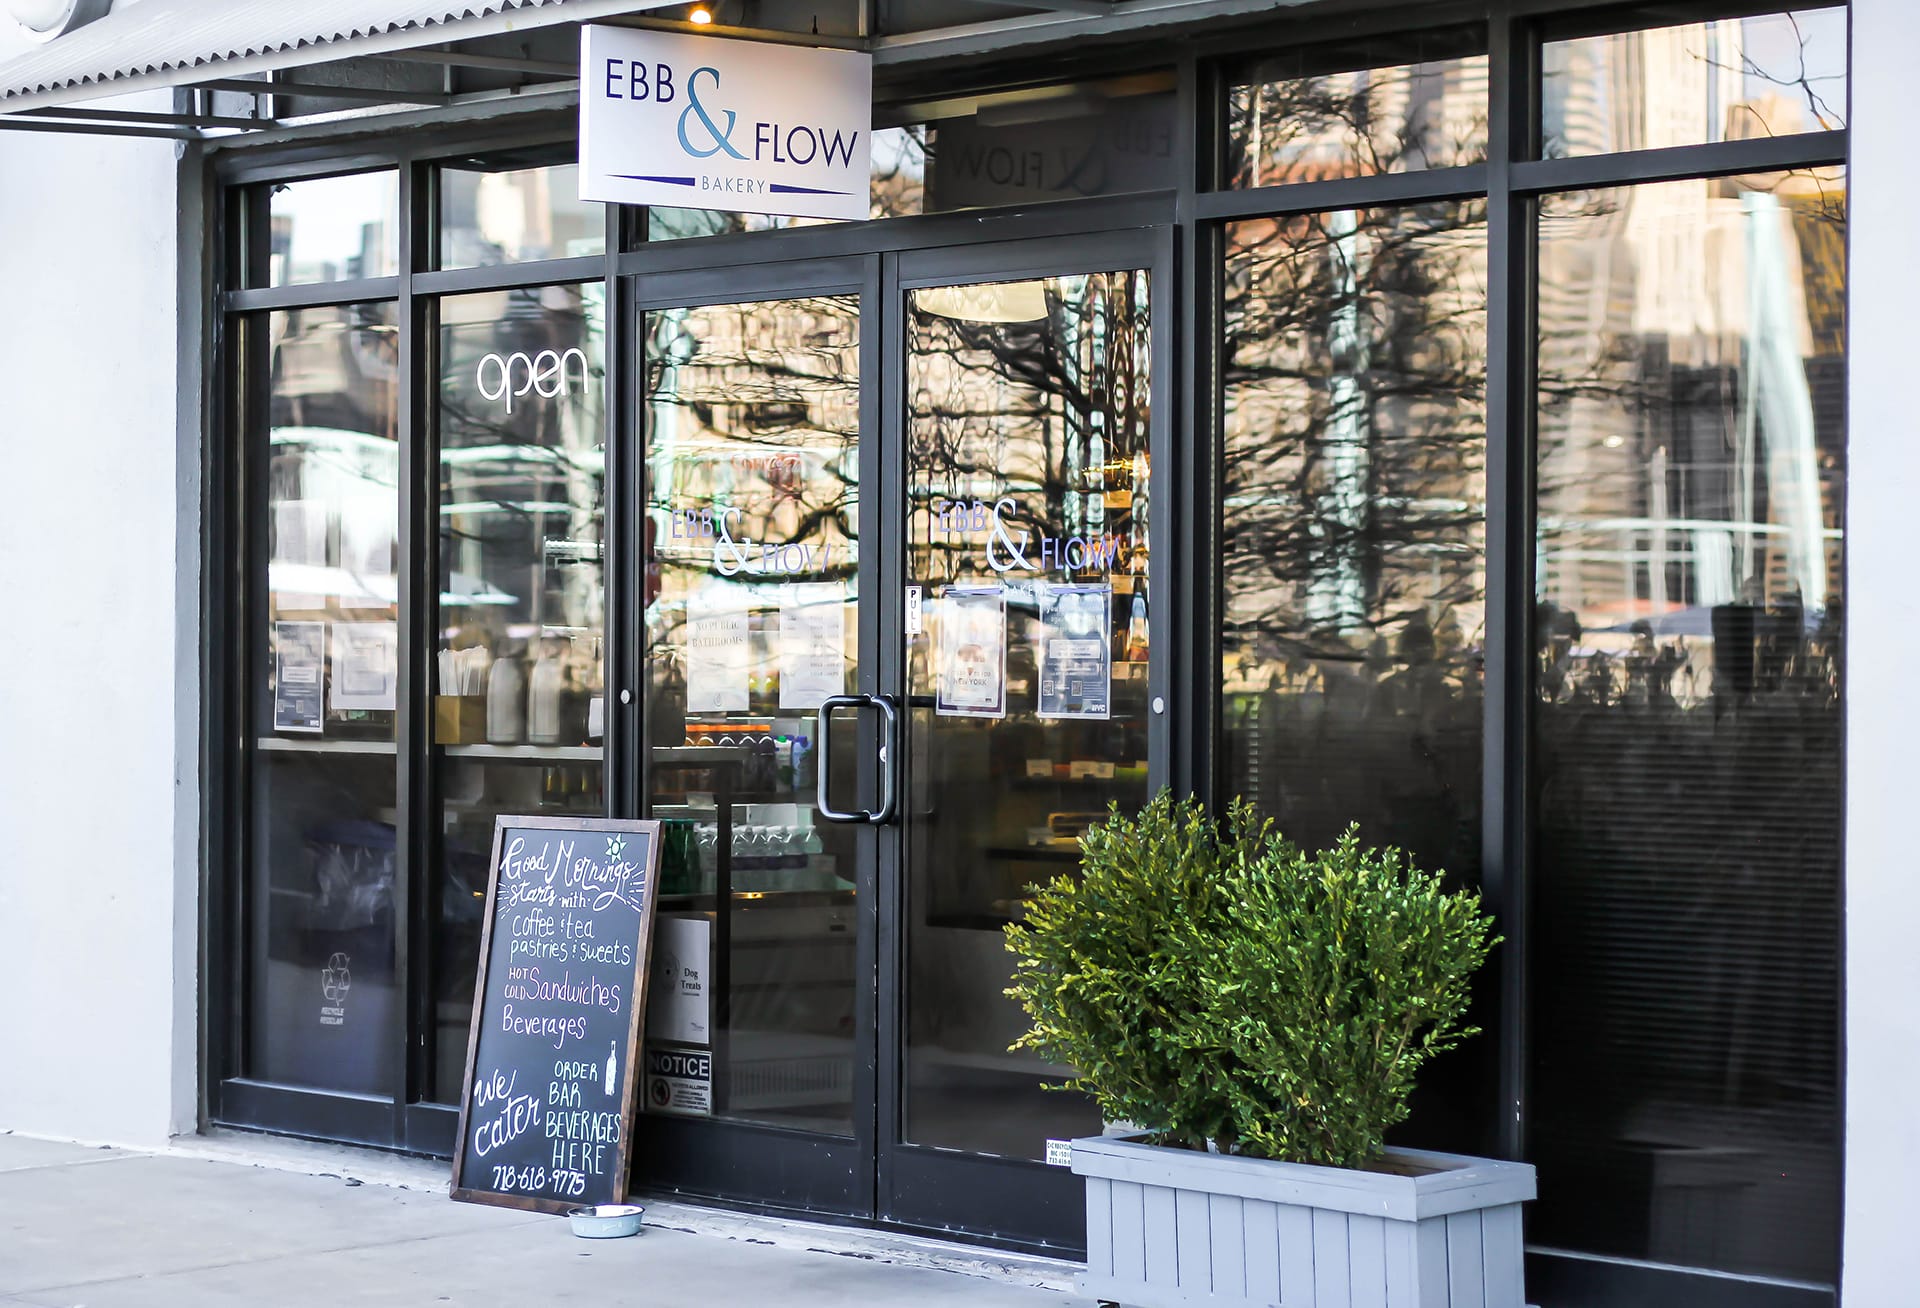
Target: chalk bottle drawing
{"type": "Point", "coordinates": [610, 1048]}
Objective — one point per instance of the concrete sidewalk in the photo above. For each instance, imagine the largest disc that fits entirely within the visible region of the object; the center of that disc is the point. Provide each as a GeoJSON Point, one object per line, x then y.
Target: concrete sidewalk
{"type": "Point", "coordinates": [266, 1223]}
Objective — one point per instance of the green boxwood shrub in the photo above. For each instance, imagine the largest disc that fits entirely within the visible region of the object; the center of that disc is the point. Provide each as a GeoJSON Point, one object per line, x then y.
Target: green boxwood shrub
{"type": "Point", "coordinates": [1218, 986]}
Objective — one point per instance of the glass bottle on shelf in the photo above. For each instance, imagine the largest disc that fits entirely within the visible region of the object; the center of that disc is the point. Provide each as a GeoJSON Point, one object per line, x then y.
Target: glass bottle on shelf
{"type": "Point", "coordinates": [506, 701]}
{"type": "Point", "coordinates": [545, 691]}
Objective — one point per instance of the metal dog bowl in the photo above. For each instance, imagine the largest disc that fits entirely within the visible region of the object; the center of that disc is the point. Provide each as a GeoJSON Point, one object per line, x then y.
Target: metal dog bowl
{"type": "Point", "coordinates": [605, 1221]}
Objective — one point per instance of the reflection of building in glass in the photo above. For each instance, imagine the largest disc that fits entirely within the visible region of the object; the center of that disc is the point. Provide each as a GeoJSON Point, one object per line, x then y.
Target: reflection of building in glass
{"type": "Point", "coordinates": [1689, 426]}
{"type": "Point", "coordinates": [1032, 393]}
{"type": "Point", "coordinates": [522, 473]}
{"type": "Point", "coordinates": [1686, 766]}
{"type": "Point", "coordinates": [334, 228]}
{"type": "Point", "coordinates": [1399, 118]}
{"type": "Point", "coordinates": [1729, 79]}
{"type": "Point", "coordinates": [1355, 521]}
{"type": "Point", "coordinates": [491, 216]}
{"type": "Point", "coordinates": [753, 414]}
{"type": "Point", "coordinates": [334, 465]}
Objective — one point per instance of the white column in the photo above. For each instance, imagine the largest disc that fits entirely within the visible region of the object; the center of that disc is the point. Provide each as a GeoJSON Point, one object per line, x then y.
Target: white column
{"type": "Point", "coordinates": [98, 566]}
{"type": "Point", "coordinates": [1883, 664]}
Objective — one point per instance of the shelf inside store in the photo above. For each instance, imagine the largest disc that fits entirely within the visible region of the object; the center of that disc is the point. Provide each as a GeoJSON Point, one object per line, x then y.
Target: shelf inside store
{"type": "Point", "coordinates": [698, 756]}
{"type": "Point", "coordinates": [527, 753]}
{"type": "Point", "coordinates": [1036, 853]}
{"type": "Point", "coordinates": [318, 745]}
{"type": "Point", "coordinates": [683, 901]}
{"type": "Point", "coordinates": [1020, 782]}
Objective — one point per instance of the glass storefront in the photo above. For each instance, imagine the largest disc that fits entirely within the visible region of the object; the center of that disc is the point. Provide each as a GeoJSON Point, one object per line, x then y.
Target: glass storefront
{"type": "Point", "coordinates": [1454, 446]}
{"type": "Point", "coordinates": [1691, 480]}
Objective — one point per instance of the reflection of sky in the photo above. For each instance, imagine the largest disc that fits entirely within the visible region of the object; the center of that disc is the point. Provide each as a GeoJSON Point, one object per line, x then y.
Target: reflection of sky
{"type": "Point", "coordinates": [896, 150]}
{"type": "Point", "coordinates": [328, 216]}
{"type": "Point", "coordinates": [1776, 46]}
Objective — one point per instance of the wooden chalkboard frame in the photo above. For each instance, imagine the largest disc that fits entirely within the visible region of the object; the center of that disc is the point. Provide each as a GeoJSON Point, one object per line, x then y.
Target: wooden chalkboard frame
{"type": "Point", "coordinates": [636, 1018]}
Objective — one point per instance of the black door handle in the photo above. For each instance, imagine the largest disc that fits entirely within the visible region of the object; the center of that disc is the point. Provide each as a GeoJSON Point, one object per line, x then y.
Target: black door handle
{"type": "Point", "coordinates": [889, 759]}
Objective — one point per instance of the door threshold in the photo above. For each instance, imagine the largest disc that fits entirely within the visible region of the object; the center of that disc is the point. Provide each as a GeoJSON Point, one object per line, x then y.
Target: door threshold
{"type": "Point", "coordinates": [409, 1172]}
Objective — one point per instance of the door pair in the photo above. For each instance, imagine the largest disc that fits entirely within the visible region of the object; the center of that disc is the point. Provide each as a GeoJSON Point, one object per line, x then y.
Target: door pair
{"type": "Point", "coordinates": [899, 649]}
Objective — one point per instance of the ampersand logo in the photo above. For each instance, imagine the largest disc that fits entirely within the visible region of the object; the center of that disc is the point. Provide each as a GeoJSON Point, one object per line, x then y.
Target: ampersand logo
{"type": "Point", "coordinates": [1015, 554]}
{"type": "Point", "coordinates": [722, 139]}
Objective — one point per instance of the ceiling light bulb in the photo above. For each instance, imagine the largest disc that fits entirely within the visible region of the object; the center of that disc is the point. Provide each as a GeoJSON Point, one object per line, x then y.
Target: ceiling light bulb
{"type": "Point", "coordinates": [700, 16]}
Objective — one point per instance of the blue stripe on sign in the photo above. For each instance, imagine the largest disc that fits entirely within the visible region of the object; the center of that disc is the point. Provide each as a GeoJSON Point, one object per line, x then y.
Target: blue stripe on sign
{"type": "Point", "coordinates": [674, 181]}
{"type": "Point", "coordinates": [778, 189]}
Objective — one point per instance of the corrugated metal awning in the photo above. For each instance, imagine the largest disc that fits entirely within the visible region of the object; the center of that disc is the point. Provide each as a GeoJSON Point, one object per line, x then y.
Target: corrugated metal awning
{"type": "Point", "coordinates": [164, 43]}
{"type": "Point", "coordinates": [383, 54]}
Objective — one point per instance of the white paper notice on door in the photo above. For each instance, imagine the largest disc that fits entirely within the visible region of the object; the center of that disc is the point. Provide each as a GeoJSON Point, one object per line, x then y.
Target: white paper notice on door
{"type": "Point", "coordinates": [813, 643]}
{"type": "Point", "coordinates": [972, 652]}
{"type": "Point", "coordinates": [677, 1004]}
{"type": "Point", "coordinates": [719, 657]}
{"type": "Point", "coordinates": [366, 665]}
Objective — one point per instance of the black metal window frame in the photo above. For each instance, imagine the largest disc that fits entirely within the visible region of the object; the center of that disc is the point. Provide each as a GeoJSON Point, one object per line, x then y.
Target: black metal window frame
{"type": "Point", "coordinates": [1512, 179]}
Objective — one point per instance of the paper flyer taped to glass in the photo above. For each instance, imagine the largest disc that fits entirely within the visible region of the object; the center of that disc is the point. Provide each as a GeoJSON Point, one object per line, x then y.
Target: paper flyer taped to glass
{"type": "Point", "coordinates": [972, 652]}
{"type": "Point", "coordinates": [1076, 653]}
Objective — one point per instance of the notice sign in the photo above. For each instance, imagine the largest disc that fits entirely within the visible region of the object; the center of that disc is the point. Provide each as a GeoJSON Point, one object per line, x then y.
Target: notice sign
{"type": "Point", "coordinates": [719, 659]}
{"type": "Point", "coordinates": [547, 1108]}
{"type": "Point", "coordinates": [366, 665]}
{"type": "Point", "coordinates": [700, 122]}
{"type": "Point", "coordinates": [680, 1082]}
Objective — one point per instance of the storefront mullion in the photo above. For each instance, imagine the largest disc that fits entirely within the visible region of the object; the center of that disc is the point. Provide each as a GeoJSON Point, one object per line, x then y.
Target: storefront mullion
{"type": "Point", "coordinates": [1512, 65]}
{"type": "Point", "coordinates": [415, 782]}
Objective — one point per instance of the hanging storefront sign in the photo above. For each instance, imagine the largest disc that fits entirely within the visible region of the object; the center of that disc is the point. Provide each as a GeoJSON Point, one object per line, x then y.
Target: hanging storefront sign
{"type": "Point", "coordinates": [700, 123]}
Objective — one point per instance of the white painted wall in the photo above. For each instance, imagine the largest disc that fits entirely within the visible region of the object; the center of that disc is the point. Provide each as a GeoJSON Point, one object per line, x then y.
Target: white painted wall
{"type": "Point", "coordinates": [98, 508]}
{"type": "Point", "coordinates": [1883, 636]}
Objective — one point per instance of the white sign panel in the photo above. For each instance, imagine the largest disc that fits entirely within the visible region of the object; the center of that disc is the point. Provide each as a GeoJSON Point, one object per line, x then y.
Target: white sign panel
{"type": "Point", "coordinates": [677, 1001]}
{"type": "Point", "coordinates": [719, 658]}
{"type": "Point", "coordinates": [700, 122]}
{"type": "Point", "coordinates": [366, 665]}
{"type": "Point", "coordinates": [813, 643]}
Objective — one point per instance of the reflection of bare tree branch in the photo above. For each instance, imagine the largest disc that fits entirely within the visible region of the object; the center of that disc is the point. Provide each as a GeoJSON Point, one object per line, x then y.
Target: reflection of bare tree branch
{"type": "Point", "coordinates": [1354, 522]}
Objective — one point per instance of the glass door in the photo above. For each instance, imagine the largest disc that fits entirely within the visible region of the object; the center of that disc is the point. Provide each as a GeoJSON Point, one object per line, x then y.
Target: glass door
{"type": "Point", "coordinates": [1032, 697]}
{"type": "Point", "coordinates": [759, 1047]}
{"type": "Point", "coordinates": [900, 649]}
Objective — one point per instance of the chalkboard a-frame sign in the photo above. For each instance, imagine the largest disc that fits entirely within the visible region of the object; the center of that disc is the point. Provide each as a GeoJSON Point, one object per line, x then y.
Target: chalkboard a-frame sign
{"type": "Point", "coordinates": [547, 1109]}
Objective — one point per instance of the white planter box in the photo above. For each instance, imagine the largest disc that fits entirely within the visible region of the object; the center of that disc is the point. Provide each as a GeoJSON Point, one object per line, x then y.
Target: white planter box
{"type": "Point", "coordinates": [1169, 1227]}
